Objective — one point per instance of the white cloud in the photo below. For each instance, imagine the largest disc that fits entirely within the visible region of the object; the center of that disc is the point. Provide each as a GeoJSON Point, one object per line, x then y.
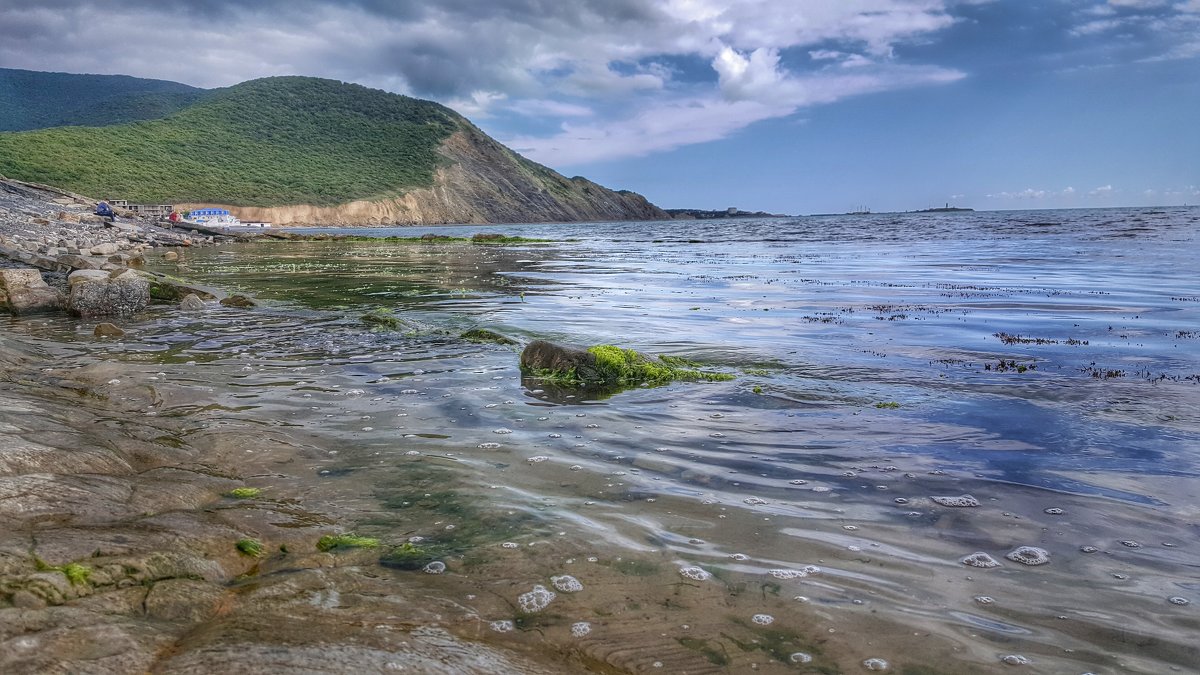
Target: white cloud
{"type": "Point", "coordinates": [1102, 191]}
{"type": "Point", "coordinates": [568, 59]}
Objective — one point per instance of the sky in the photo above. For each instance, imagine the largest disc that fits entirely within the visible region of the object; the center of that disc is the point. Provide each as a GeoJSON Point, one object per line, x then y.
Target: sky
{"type": "Point", "coordinates": [787, 106]}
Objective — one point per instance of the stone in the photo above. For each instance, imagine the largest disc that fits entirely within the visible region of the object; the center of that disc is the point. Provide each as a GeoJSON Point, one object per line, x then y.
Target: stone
{"type": "Point", "coordinates": [107, 330]}
{"type": "Point", "coordinates": [39, 221]}
{"type": "Point", "coordinates": [543, 356]}
{"type": "Point", "coordinates": [68, 217]}
{"type": "Point", "coordinates": [170, 256]}
{"type": "Point", "coordinates": [23, 291]}
{"type": "Point", "coordinates": [240, 301]}
{"type": "Point", "coordinates": [107, 248]}
{"type": "Point", "coordinates": [98, 293]}
{"type": "Point", "coordinates": [77, 262]}
{"type": "Point", "coordinates": [191, 303]}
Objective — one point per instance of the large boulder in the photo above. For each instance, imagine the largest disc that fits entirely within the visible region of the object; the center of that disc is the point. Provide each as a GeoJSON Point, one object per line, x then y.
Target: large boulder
{"type": "Point", "coordinates": [107, 248]}
{"type": "Point", "coordinates": [541, 357]}
{"type": "Point", "coordinates": [23, 291]}
{"type": "Point", "coordinates": [100, 293]}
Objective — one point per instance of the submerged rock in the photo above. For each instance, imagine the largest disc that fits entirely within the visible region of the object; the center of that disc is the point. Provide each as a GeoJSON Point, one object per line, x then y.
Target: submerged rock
{"type": "Point", "coordinates": [100, 293]}
{"type": "Point", "coordinates": [604, 366]}
{"type": "Point", "coordinates": [23, 291]}
{"type": "Point", "coordinates": [485, 335]}
{"type": "Point", "coordinates": [191, 303]}
{"type": "Point", "coordinates": [239, 301]}
{"type": "Point", "coordinates": [107, 330]}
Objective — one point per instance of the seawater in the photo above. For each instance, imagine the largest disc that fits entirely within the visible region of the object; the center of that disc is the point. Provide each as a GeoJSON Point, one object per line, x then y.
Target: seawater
{"type": "Point", "coordinates": [1045, 364]}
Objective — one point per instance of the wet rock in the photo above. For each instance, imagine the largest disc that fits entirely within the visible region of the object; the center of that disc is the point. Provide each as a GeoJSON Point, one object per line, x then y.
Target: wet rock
{"type": "Point", "coordinates": [543, 356]}
{"type": "Point", "coordinates": [107, 330]}
{"type": "Point", "coordinates": [191, 303]}
{"type": "Point", "coordinates": [239, 301]}
{"type": "Point", "coordinates": [23, 291]}
{"type": "Point", "coordinates": [485, 335]}
{"type": "Point", "coordinates": [98, 293]}
{"type": "Point", "coordinates": [170, 256]}
{"type": "Point", "coordinates": [169, 289]}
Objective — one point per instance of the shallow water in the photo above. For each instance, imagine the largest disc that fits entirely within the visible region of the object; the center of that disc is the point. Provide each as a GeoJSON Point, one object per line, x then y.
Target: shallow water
{"type": "Point", "coordinates": [870, 379]}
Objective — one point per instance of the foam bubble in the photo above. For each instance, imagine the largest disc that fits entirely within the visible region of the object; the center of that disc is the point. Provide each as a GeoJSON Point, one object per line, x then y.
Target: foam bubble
{"type": "Point", "coordinates": [754, 501]}
{"type": "Point", "coordinates": [1015, 660]}
{"type": "Point", "coordinates": [488, 446]}
{"type": "Point", "coordinates": [797, 482]}
{"type": "Point", "coordinates": [537, 459]}
{"type": "Point", "coordinates": [1088, 549]}
{"type": "Point", "coordinates": [876, 664]}
{"type": "Point", "coordinates": [900, 500]}
{"type": "Point", "coordinates": [1131, 544]}
{"type": "Point", "coordinates": [1029, 555]}
{"type": "Point", "coordinates": [980, 559]}
{"type": "Point", "coordinates": [739, 556]}
{"type": "Point", "coordinates": [795, 574]}
{"type": "Point", "coordinates": [800, 657]}
{"type": "Point", "coordinates": [850, 528]}
{"type": "Point", "coordinates": [502, 626]}
{"type": "Point", "coordinates": [510, 544]}
{"type": "Point", "coordinates": [1178, 600]}
{"type": "Point", "coordinates": [695, 573]}
{"type": "Point", "coordinates": [435, 567]}
{"type": "Point", "coordinates": [567, 583]}
{"type": "Point", "coordinates": [985, 599]}
{"type": "Point", "coordinates": [961, 501]}
{"type": "Point", "coordinates": [536, 600]}
{"type": "Point", "coordinates": [502, 430]}
{"type": "Point", "coordinates": [821, 488]}
{"type": "Point", "coordinates": [1055, 511]}
{"type": "Point", "coordinates": [580, 629]}
{"type": "Point", "coordinates": [763, 619]}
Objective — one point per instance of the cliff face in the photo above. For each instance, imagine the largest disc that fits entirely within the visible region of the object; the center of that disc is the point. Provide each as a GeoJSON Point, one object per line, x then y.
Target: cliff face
{"type": "Point", "coordinates": [481, 181]}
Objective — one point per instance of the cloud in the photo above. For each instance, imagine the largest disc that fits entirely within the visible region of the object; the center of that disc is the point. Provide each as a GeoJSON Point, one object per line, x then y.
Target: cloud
{"type": "Point", "coordinates": [564, 60]}
{"type": "Point", "coordinates": [1102, 191]}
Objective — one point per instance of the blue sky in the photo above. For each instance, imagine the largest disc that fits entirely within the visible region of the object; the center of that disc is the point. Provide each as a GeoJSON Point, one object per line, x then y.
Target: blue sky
{"type": "Point", "coordinates": [797, 106]}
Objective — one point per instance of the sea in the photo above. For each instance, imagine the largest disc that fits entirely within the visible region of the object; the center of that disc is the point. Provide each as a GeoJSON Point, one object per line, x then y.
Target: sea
{"type": "Point", "coordinates": [955, 442]}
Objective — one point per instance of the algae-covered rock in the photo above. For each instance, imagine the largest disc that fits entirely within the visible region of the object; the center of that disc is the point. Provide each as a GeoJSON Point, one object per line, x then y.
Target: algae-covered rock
{"type": "Point", "coordinates": [604, 366]}
{"type": "Point", "coordinates": [383, 319]}
{"type": "Point", "coordinates": [485, 335]}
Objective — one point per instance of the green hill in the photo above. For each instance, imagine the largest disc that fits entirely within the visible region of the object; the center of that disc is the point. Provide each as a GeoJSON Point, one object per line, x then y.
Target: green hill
{"type": "Point", "coordinates": [35, 100]}
{"type": "Point", "coordinates": [279, 140]}
{"type": "Point", "coordinates": [308, 150]}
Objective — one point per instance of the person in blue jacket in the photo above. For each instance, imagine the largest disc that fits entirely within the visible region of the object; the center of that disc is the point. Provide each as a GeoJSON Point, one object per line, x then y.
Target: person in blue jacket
{"type": "Point", "coordinates": [105, 211]}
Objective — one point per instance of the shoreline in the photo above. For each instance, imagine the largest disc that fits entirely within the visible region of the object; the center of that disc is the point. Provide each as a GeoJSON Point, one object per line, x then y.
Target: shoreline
{"type": "Point", "coordinates": [122, 550]}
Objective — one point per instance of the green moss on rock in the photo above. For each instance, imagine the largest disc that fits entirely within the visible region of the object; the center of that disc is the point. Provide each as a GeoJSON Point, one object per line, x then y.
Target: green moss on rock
{"type": "Point", "coordinates": [331, 542]}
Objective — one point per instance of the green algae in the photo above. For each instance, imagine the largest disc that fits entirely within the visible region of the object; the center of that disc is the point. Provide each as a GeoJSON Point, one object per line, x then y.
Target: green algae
{"type": "Point", "coordinates": [887, 405]}
{"type": "Point", "coordinates": [331, 542]}
{"type": "Point", "coordinates": [382, 318]}
{"type": "Point", "coordinates": [619, 366]}
{"type": "Point", "coordinates": [484, 335]}
{"type": "Point", "coordinates": [77, 574]}
{"type": "Point", "coordinates": [244, 493]}
{"type": "Point", "coordinates": [249, 547]}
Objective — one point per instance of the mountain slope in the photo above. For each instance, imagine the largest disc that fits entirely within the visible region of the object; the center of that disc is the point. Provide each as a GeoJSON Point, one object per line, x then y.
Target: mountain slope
{"type": "Point", "coordinates": [35, 100]}
{"type": "Point", "coordinates": [298, 149]}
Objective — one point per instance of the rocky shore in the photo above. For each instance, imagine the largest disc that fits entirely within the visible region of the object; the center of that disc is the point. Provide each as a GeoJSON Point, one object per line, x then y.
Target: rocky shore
{"type": "Point", "coordinates": [127, 545]}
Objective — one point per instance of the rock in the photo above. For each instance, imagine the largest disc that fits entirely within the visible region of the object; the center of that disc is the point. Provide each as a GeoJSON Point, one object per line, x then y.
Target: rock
{"type": "Point", "coordinates": [23, 291]}
{"type": "Point", "coordinates": [107, 248]}
{"type": "Point", "coordinates": [68, 217]}
{"type": "Point", "coordinates": [98, 293]}
{"type": "Point", "coordinates": [39, 221]}
{"type": "Point", "coordinates": [168, 289]}
{"type": "Point", "coordinates": [485, 335]}
{"type": "Point", "coordinates": [77, 262]}
{"type": "Point", "coordinates": [240, 301]}
{"type": "Point", "coordinates": [107, 330]}
{"type": "Point", "coordinates": [191, 303]}
{"type": "Point", "coordinates": [170, 256]}
{"type": "Point", "coordinates": [542, 356]}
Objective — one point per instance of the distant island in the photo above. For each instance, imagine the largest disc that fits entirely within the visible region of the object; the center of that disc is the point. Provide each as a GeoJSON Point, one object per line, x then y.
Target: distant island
{"type": "Point", "coordinates": [731, 212]}
{"type": "Point", "coordinates": [943, 209]}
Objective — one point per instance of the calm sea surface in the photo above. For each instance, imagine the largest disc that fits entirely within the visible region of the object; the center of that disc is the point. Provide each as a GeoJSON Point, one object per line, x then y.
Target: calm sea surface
{"type": "Point", "coordinates": [1044, 363]}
